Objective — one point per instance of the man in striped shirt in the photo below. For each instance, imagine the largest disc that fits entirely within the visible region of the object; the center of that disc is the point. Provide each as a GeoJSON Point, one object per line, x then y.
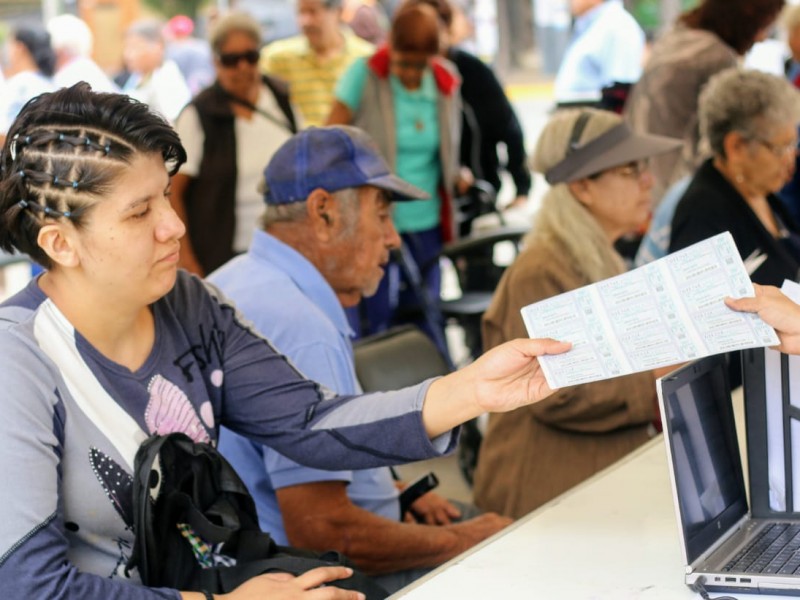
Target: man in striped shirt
{"type": "Point", "coordinates": [312, 62]}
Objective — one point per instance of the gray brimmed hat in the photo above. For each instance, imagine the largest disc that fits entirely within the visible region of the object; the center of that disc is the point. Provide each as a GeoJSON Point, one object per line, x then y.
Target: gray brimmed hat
{"type": "Point", "coordinates": [617, 146]}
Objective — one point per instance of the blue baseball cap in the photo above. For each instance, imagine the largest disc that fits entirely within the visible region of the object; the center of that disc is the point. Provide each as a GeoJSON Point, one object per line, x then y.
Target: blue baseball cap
{"type": "Point", "coordinates": [332, 158]}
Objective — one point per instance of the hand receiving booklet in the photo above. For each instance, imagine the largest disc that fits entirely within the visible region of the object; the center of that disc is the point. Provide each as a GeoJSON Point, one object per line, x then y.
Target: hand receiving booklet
{"type": "Point", "coordinates": [667, 312]}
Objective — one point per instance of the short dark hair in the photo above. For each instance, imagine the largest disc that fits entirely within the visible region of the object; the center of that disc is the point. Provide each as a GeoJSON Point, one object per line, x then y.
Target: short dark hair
{"type": "Point", "coordinates": [735, 22]}
{"type": "Point", "coordinates": [415, 28]}
{"type": "Point", "coordinates": [64, 151]}
{"type": "Point", "coordinates": [37, 42]}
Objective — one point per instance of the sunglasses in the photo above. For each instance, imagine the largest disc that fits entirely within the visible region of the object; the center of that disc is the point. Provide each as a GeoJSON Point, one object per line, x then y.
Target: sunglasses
{"type": "Point", "coordinates": [232, 59]}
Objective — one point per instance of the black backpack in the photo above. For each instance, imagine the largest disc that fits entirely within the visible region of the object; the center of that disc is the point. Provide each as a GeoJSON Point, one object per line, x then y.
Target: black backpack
{"type": "Point", "coordinates": [177, 481]}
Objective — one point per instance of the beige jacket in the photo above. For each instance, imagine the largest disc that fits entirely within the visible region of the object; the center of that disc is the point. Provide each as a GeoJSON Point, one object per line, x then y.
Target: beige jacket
{"type": "Point", "coordinates": [537, 452]}
{"type": "Point", "coordinates": [664, 101]}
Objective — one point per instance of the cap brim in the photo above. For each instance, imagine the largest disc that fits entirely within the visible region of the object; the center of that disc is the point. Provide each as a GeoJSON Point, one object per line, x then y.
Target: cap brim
{"type": "Point", "coordinates": [399, 189]}
{"type": "Point", "coordinates": [633, 148]}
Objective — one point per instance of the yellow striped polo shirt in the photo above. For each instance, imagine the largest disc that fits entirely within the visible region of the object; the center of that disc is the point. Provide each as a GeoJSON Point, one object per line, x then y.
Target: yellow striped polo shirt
{"type": "Point", "coordinates": [311, 79]}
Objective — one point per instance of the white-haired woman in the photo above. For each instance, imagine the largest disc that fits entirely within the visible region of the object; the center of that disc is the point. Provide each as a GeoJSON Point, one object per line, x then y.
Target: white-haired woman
{"type": "Point", "coordinates": [750, 121]}
{"type": "Point", "coordinates": [600, 191]}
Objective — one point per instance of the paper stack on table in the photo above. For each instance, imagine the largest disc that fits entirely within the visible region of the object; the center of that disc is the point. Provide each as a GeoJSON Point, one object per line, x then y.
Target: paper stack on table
{"type": "Point", "coordinates": [664, 313]}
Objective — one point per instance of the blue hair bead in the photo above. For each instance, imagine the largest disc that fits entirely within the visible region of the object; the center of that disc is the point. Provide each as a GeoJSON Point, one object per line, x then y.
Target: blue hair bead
{"type": "Point", "coordinates": [74, 185]}
{"type": "Point", "coordinates": [107, 148]}
{"type": "Point", "coordinates": [67, 214]}
{"type": "Point", "coordinates": [60, 137]}
{"type": "Point", "coordinates": [22, 204]}
{"type": "Point", "coordinates": [21, 174]}
{"type": "Point", "coordinates": [55, 179]}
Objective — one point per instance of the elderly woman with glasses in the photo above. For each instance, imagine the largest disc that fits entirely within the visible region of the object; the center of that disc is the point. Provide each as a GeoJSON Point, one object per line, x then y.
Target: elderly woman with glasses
{"type": "Point", "coordinates": [230, 130]}
{"type": "Point", "coordinates": [749, 119]}
{"type": "Point", "coordinates": [601, 190]}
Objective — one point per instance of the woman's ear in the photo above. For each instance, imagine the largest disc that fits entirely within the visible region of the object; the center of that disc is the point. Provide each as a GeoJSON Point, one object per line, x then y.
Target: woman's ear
{"type": "Point", "coordinates": [58, 245]}
{"type": "Point", "coordinates": [582, 190]}
{"type": "Point", "coordinates": [735, 146]}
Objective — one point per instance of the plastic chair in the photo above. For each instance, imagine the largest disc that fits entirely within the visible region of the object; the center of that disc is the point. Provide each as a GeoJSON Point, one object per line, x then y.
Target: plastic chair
{"type": "Point", "coordinates": [479, 261]}
{"type": "Point", "coordinates": [397, 358]}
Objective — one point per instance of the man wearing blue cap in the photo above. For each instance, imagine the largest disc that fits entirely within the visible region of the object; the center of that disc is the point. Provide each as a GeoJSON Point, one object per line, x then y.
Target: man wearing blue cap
{"type": "Point", "coordinates": [327, 236]}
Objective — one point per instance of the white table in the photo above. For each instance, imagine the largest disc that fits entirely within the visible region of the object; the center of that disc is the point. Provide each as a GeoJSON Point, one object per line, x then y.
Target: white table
{"type": "Point", "coordinates": [614, 537]}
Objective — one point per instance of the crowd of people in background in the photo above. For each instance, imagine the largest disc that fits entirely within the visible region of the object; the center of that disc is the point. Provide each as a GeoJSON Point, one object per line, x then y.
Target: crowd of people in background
{"type": "Point", "coordinates": [314, 180]}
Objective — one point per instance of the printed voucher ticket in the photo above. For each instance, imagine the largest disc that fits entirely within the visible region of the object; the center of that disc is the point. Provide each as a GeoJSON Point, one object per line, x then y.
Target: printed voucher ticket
{"type": "Point", "coordinates": [667, 312]}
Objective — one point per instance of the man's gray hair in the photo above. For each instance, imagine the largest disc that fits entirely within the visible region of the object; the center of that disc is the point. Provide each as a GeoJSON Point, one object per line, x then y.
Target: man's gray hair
{"type": "Point", "coordinates": [752, 103]}
{"type": "Point", "coordinates": [296, 212]}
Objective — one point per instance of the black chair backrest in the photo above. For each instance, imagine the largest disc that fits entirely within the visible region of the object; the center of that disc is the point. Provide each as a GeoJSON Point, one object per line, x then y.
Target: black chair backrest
{"type": "Point", "coordinates": [397, 358]}
{"type": "Point", "coordinates": [473, 257]}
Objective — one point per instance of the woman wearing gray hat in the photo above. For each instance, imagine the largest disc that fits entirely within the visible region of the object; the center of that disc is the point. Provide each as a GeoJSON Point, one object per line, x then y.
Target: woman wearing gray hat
{"type": "Point", "coordinates": [600, 191]}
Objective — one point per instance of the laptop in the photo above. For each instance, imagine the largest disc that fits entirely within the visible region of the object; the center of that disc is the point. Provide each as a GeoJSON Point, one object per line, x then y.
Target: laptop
{"type": "Point", "coordinates": [724, 547]}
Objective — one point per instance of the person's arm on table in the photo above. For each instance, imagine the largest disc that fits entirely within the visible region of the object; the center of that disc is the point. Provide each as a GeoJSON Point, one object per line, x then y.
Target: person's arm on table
{"type": "Point", "coordinates": [320, 516]}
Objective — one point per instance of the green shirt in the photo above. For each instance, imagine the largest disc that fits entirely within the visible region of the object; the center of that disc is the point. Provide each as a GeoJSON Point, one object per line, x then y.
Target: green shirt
{"type": "Point", "coordinates": [417, 132]}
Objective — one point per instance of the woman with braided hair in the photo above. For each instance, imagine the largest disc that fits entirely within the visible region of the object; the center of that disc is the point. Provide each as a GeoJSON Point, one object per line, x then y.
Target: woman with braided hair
{"type": "Point", "coordinates": [113, 343]}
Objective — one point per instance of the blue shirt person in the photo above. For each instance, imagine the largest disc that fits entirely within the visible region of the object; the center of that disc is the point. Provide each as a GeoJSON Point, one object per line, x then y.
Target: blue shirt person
{"type": "Point", "coordinates": [607, 46]}
{"type": "Point", "coordinates": [328, 233]}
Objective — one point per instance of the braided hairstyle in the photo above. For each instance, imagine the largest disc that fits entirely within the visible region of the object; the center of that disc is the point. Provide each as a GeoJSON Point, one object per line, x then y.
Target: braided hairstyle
{"type": "Point", "coordinates": [64, 152]}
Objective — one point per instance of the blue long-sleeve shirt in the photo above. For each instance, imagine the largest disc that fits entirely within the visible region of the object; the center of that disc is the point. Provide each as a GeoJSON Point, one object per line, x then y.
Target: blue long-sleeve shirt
{"type": "Point", "coordinates": [72, 420]}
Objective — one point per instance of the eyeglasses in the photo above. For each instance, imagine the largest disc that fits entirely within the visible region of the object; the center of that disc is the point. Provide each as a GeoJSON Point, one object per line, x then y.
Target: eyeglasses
{"type": "Point", "coordinates": [779, 150]}
{"type": "Point", "coordinates": [232, 59]}
{"type": "Point", "coordinates": [633, 170]}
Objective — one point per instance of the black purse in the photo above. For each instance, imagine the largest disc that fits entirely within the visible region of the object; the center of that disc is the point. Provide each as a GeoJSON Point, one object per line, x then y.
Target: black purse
{"type": "Point", "coordinates": [196, 528]}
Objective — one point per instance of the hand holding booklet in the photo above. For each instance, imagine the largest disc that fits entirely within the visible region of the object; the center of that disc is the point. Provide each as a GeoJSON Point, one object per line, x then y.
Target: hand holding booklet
{"type": "Point", "coordinates": [664, 313]}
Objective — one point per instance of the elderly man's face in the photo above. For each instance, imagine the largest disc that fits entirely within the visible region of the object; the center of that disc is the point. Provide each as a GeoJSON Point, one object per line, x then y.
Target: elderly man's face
{"type": "Point", "coordinates": [317, 21]}
{"type": "Point", "coordinates": [356, 264]}
{"type": "Point", "coordinates": [142, 55]}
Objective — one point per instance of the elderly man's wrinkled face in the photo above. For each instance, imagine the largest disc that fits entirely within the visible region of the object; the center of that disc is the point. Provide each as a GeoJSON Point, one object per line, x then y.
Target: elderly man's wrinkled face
{"type": "Point", "coordinates": [356, 266]}
{"type": "Point", "coordinates": [142, 55]}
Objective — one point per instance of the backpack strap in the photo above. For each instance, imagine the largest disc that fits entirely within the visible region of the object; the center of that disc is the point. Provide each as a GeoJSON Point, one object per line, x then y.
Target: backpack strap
{"type": "Point", "coordinates": [55, 335]}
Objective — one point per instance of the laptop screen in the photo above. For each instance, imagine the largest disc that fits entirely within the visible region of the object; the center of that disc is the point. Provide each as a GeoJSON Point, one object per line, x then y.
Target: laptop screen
{"type": "Point", "coordinates": [704, 452]}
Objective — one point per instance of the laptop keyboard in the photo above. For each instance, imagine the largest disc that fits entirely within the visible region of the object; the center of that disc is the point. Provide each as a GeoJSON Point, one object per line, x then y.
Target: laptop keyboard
{"type": "Point", "coordinates": [775, 550]}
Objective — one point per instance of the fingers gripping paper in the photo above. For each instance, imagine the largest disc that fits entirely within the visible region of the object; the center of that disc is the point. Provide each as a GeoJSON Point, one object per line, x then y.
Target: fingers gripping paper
{"type": "Point", "coordinates": [666, 312]}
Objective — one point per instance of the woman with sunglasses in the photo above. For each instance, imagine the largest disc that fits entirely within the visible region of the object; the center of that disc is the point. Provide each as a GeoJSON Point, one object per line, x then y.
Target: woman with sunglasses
{"type": "Point", "coordinates": [600, 190]}
{"type": "Point", "coordinates": [114, 343]}
{"type": "Point", "coordinates": [407, 98]}
{"type": "Point", "coordinates": [230, 131]}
